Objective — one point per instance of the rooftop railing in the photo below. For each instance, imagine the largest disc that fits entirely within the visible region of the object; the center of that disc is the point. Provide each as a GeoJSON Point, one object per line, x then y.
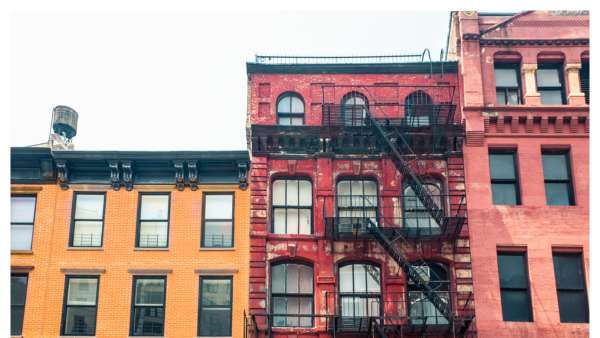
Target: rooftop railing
{"type": "Point", "coordinates": [348, 59]}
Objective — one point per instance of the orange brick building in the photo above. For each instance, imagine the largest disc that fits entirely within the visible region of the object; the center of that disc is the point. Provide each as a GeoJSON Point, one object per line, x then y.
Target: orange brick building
{"type": "Point", "coordinates": [197, 191]}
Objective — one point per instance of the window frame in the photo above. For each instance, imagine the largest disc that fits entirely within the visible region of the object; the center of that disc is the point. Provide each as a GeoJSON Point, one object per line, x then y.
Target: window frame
{"type": "Point", "coordinates": [290, 115]}
{"type": "Point", "coordinates": [411, 114]}
{"type": "Point", "coordinates": [139, 220]}
{"type": "Point", "coordinates": [561, 79]}
{"type": "Point", "coordinates": [133, 306]}
{"type": "Point", "coordinates": [516, 67]}
{"type": "Point", "coordinates": [33, 222]}
{"type": "Point", "coordinates": [20, 275]}
{"type": "Point", "coordinates": [73, 220]}
{"type": "Point", "coordinates": [378, 208]}
{"type": "Point", "coordinates": [65, 306]}
{"type": "Point", "coordinates": [526, 274]}
{"type": "Point", "coordinates": [297, 295]}
{"type": "Point", "coordinates": [570, 191]}
{"type": "Point", "coordinates": [202, 236]}
{"type": "Point", "coordinates": [344, 106]}
{"type": "Point", "coordinates": [442, 205]}
{"type": "Point", "coordinates": [448, 285]}
{"type": "Point", "coordinates": [584, 81]}
{"type": "Point", "coordinates": [514, 181]}
{"type": "Point", "coordinates": [273, 206]}
{"type": "Point", "coordinates": [355, 294]}
{"type": "Point", "coordinates": [583, 289]}
{"type": "Point", "coordinates": [200, 306]}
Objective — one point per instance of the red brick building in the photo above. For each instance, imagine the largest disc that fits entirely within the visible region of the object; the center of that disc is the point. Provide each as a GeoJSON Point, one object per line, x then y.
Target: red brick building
{"type": "Point", "coordinates": [357, 199]}
{"type": "Point", "coordinates": [525, 108]}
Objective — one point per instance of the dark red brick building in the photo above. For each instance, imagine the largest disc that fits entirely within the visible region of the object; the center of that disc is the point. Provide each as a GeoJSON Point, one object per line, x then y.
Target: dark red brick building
{"type": "Point", "coordinates": [358, 209]}
{"type": "Point", "coordinates": [525, 108]}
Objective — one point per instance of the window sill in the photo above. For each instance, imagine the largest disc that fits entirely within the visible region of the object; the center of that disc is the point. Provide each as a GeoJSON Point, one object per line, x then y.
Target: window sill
{"type": "Point", "coordinates": [89, 248]}
{"type": "Point", "coordinates": [16, 336]}
{"type": "Point", "coordinates": [74, 336]}
{"type": "Point", "coordinates": [292, 237]}
{"type": "Point", "coordinates": [217, 249]}
{"type": "Point", "coordinates": [151, 249]}
{"type": "Point", "coordinates": [214, 336]}
{"type": "Point", "coordinates": [21, 252]}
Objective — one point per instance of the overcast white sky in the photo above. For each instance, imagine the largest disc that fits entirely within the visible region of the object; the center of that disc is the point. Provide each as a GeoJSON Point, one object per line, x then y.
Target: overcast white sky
{"type": "Point", "coordinates": [168, 80]}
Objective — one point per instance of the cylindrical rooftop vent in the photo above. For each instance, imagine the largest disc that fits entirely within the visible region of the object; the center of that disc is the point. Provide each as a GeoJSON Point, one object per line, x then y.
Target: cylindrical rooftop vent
{"type": "Point", "coordinates": [65, 121]}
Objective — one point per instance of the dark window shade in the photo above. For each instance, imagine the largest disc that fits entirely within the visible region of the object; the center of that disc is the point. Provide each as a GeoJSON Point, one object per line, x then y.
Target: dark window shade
{"type": "Point", "coordinates": [514, 287]}
{"type": "Point", "coordinates": [570, 288]}
{"type": "Point", "coordinates": [584, 78]}
{"type": "Point", "coordinates": [18, 292]}
{"type": "Point", "coordinates": [504, 178]}
{"type": "Point", "coordinates": [557, 178]}
{"type": "Point", "coordinates": [549, 78]}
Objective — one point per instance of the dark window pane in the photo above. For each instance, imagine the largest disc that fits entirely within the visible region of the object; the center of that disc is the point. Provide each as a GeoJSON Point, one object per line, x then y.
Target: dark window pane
{"type": "Point", "coordinates": [278, 279]}
{"type": "Point", "coordinates": [150, 292]}
{"type": "Point", "coordinates": [513, 97]}
{"type": "Point", "coordinates": [502, 166]}
{"type": "Point", "coordinates": [216, 292]}
{"type": "Point", "coordinates": [504, 194]}
{"type": "Point", "coordinates": [148, 321]}
{"type": "Point", "coordinates": [16, 319]}
{"type": "Point", "coordinates": [557, 194]}
{"type": "Point", "coordinates": [555, 167]}
{"type": "Point", "coordinates": [515, 306]}
{"type": "Point", "coordinates": [18, 290]}
{"type": "Point", "coordinates": [511, 269]}
{"type": "Point", "coordinates": [506, 77]}
{"type": "Point", "coordinates": [572, 306]}
{"type": "Point", "coordinates": [215, 322]}
{"type": "Point", "coordinates": [501, 96]}
{"type": "Point", "coordinates": [568, 272]}
{"type": "Point", "coordinates": [551, 97]}
{"type": "Point", "coordinates": [80, 320]}
{"type": "Point", "coordinates": [547, 78]}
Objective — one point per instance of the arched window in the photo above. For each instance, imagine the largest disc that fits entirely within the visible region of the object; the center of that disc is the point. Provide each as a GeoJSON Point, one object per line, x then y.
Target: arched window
{"type": "Point", "coordinates": [354, 109]}
{"type": "Point", "coordinates": [292, 206]}
{"type": "Point", "coordinates": [416, 216]}
{"type": "Point", "coordinates": [418, 107]}
{"type": "Point", "coordinates": [419, 305]}
{"type": "Point", "coordinates": [356, 201]}
{"type": "Point", "coordinates": [292, 293]}
{"type": "Point", "coordinates": [290, 109]}
{"type": "Point", "coordinates": [360, 291]}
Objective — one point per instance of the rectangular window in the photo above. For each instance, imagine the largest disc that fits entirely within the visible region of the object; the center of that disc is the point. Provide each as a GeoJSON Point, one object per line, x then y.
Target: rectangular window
{"type": "Point", "coordinates": [214, 314]}
{"type": "Point", "coordinates": [217, 220]}
{"type": "Point", "coordinates": [508, 83]}
{"type": "Point", "coordinates": [514, 287]}
{"type": "Point", "coordinates": [356, 201]}
{"type": "Point", "coordinates": [570, 287]}
{"type": "Point", "coordinates": [549, 78]}
{"type": "Point", "coordinates": [584, 80]}
{"type": "Point", "coordinates": [22, 217]}
{"type": "Point", "coordinates": [148, 306]}
{"type": "Point", "coordinates": [18, 292]}
{"type": "Point", "coordinates": [80, 306]}
{"type": "Point", "coordinates": [557, 178]}
{"type": "Point", "coordinates": [505, 182]}
{"type": "Point", "coordinates": [292, 207]}
{"type": "Point", "coordinates": [88, 220]}
{"type": "Point", "coordinates": [153, 221]}
{"type": "Point", "coordinates": [292, 293]}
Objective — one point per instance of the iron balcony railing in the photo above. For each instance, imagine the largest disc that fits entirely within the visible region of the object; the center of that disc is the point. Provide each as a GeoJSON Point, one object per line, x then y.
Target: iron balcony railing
{"type": "Point", "coordinates": [347, 216]}
{"type": "Point", "coordinates": [87, 240]}
{"type": "Point", "coordinates": [349, 59]}
{"type": "Point", "coordinates": [153, 241]}
{"type": "Point", "coordinates": [218, 240]}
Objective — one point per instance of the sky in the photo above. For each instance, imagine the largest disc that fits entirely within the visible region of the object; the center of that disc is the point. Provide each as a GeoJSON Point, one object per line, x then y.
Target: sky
{"type": "Point", "coordinates": [176, 80]}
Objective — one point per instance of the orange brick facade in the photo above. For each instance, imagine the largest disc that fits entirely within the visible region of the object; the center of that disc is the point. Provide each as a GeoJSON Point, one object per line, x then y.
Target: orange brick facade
{"type": "Point", "coordinates": [46, 283]}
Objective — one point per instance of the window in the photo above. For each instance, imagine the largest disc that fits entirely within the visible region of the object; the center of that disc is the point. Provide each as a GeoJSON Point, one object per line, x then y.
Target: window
{"type": "Point", "coordinates": [420, 305]}
{"type": "Point", "coordinates": [88, 220]}
{"type": "Point", "coordinates": [18, 291]}
{"type": "Point", "coordinates": [418, 108]}
{"type": "Point", "coordinates": [416, 215]}
{"type": "Point", "coordinates": [514, 287]}
{"type": "Point", "coordinates": [360, 292]}
{"type": "Point", "coordinates": [557, 178]}
{"type": "Point", "coordinates": [584, 80]}
{"type": "Point", "coordinates": [292, 206]}
{"type": "Point", "coordinates": [356, 200]}
{"type": "Point", "coordinates": [148, 308]}
{"type": "Point", "coordinates": [354, 109]}
{"type": "Point", "coordinates": [290, 110]}
{"type": "Point", "coordinates": [22, 216]}
{"type": "Point", "coordinates": [153, 221]}
{"type": "Point", "coordinates": [214, 315]}
{"type": "Point", "coordinates": [508, 83]}
{"type": "Point", "coordinates": [570, 286]}
{"type": "Point", "coordinates": [292, 293]}
{"type": "Point", "coordinates": [550, 83]}
{"type": "Point", "coordinates": [217, 220]}
{"type": "Point", "coordinates": [505, 182]}
{"type": "Point", "coordinates": [80, 306]}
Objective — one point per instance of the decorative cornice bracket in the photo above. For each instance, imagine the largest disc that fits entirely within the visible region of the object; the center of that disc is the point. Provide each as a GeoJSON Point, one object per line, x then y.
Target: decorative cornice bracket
{"type": "Point", "coordinates": [193, 175]}
{"type": "Point", "coordinates": [127, 174]}
{"type": "Point", "coordinates": [179, 178]}
{"type": "Point", "coordinates": [115, 180]}
{"type": "Point", "coordinates": [63, 174]}
{"type": "Point", "coordinates": [243, 177]}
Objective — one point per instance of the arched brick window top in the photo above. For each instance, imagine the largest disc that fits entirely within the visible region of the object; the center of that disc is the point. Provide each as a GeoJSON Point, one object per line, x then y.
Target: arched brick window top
{"type": "Point", "coordinates": [292, 292]}
{"type": "Point", "coordinates": [290, 109]}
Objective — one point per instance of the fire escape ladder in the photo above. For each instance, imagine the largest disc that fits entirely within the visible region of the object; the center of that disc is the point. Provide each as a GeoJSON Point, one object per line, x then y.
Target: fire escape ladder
{"type": "Point", "coordinates": [375, 329]}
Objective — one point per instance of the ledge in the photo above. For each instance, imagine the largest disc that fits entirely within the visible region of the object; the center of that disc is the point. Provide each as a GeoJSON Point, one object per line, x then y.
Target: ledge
{"type": "Point", "coordinates": [82, 271]}
{"type": "Point", "coordinates": [151, 249]}
{"type": "Point", "coordinates": [522, 107]}
{"type": "Point", "coordinates": [216, 272]}
{"type": "Point", "coordinates": [284, 237]}
{"type": "Point", "coordinates": [219, 187]}
{"type": "Point", "coordinates": [214, 336]}
{"type": "Point", "coordinates": [24, 190]}
{"type": "Point", "coordinates": [560, 248]}
{"type": "Point", "coordinates": [154, 188]}
{"type": "Point", "coordinates": [86, 248]}
{"type": "Point", "coordinates": [76, 336]}
{"type": "Point", "coordinates": [217, 249]}
{"type": "Point", "coordinates": [21, 268]}
{"type": "Point", "coordinates": [89, 187]}
{"type": "Point", "coordinates": [22, 337]}
{"type": "Point", "coordinates": [150, 272]}
{"type": "Point", "coordinates": [22, 252]}
{"type": "Point", "coordinates": [511, 247]}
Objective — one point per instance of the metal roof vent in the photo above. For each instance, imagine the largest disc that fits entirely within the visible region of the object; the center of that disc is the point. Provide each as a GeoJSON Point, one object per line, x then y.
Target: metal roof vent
{"type": "Point", "coordinates": [64, 124]}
